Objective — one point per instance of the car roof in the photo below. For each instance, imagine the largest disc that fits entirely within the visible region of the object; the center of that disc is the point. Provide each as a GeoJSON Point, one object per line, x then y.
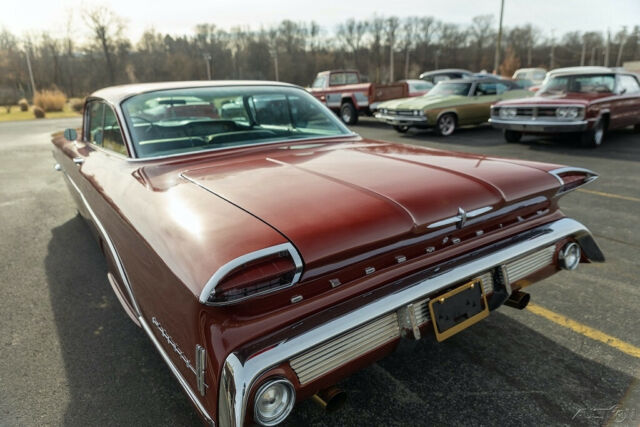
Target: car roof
{"type": "Point", "coordinates": [446, 70]}
{"type": "Point", "coordinates": [524, 70]}
{"type": "Point", "coordinates": [476, 79]}
{"type": "Point", "coordinates": [116, 94]}
{"type": "Point", "coordinates": [581, 70]}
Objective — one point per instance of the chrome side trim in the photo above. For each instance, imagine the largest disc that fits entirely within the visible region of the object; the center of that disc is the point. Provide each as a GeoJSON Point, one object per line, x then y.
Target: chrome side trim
{"type": "Point", "coordinates": [201, 363]}
{"type": "Point", "coordinates": [239, 373]}
{"type": "Point", "coordinates": [210, 288]}
{"type": "Point", "coordinates": [141, 319]}
{"type": "Point", "coordinates": [461, 217]}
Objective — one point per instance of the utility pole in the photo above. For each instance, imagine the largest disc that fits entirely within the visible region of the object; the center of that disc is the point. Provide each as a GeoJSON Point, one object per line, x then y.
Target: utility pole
{"type": "Point", "coordinates": [606, 49]}
{"type": "Point", "coordinates": [621, 48]}
{"type": "Point", "coordinates": [275, 62]}
{"type": "Point", "coordinates": [496, 62]}
{"type": "Point", "coordinates": [584, 51]}
{"type": "Point", "coordinates": [553, 47]}
{"type": "Point", "coordinates": [207, 59]}
{"type": "Point", "coordinates": [33, 85]}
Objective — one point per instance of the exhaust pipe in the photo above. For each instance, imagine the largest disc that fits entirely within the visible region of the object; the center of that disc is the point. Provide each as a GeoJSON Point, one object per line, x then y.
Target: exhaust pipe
{"type": "Point", "coordinates": [518, 300]}
{"type": "Point", "coordinates": [330, 399]}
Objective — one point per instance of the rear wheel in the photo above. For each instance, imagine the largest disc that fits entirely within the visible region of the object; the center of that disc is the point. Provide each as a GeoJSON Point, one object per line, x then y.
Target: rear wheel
{"type": "Point", "coordinates": [512, 135]}
{"type": "Point", "coordinates": [446, 124]}
{"type": "Point", "coordinates": [348, 113]}
{"type": "Point", "coordinates": [401, 129]}
{"type": "Point", "coordinates": [593, 137]}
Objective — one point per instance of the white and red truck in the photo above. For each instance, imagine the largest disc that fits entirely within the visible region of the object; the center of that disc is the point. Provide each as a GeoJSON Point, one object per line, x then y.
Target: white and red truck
{"type": "Point", "coordinates": [344, 92]}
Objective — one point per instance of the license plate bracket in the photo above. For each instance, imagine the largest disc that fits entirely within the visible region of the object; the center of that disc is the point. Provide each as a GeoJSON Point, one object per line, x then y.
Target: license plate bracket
{"type": "Point", "coordinates": [458, 309]}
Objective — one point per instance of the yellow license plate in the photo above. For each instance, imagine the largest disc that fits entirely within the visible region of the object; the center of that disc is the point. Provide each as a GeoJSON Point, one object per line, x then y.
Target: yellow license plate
{"type": "Point", "coordinates": [458, 309]}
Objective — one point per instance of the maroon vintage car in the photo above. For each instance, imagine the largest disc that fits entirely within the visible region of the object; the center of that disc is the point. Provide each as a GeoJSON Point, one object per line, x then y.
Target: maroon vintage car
{"type": "Point", "coordinates": [585, 100]}
{"type": "Point", "coordinates": [268, 252]}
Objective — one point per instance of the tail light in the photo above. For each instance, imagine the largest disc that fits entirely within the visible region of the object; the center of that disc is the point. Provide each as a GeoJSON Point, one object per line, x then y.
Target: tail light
{"type": "Point", "coordinates": [572, 178]}
{"type": "Point", "coordinates": [254, 274]}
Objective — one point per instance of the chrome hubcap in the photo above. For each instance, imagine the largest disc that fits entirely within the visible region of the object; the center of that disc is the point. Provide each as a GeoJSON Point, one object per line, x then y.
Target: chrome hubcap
{"type": "Point", "coordinates": [346, 116]}
{"type": "Point", "coordinates": [447, 124]}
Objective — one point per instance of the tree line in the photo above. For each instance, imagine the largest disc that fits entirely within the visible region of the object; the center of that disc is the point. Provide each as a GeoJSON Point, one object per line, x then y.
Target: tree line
{"type": "Point", "coordinates": [382, 48]}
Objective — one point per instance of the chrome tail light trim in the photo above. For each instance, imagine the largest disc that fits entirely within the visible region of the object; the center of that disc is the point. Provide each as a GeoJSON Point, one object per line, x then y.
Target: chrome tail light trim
{"type": "Point", "coordinates": [210, 288]}
{"type": "Point", "coordinates": [240, 372]}
{"type": "Point", "coordinates": [590, 176]}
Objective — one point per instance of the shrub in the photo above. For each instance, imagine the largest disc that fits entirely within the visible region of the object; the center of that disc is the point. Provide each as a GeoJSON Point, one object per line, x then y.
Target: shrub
{"type": "Point", "coordinates": [50, 100]}
{"type": "Point", "coordinates": [38, 112]}
{"type": "Point", "coordinates": [77, 104]}
{"type": "Point", "coordinates": [23, 104]}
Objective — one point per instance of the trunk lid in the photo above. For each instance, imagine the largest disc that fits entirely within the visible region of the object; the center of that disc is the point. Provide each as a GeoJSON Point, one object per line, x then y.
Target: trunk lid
{"type": "Point", "coordinates": [352, 197]}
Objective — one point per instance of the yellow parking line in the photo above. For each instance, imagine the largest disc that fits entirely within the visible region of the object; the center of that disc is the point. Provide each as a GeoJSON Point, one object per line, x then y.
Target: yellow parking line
{"type": "Point", "coordinates": [610, 195]}
{"type": "Point", "coordinates": [594, 334]}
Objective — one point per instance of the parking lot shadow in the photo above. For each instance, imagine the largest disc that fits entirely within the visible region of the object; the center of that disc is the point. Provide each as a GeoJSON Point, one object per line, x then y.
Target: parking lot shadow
{"type": "Point", "coordinates": [115, 376]}
{"type": "Point", "coordinates": [499, 372]}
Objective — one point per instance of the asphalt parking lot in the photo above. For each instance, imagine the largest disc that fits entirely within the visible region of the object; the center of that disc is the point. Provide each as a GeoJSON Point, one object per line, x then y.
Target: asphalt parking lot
{"type": "Point", "coordinates": [70, 356]}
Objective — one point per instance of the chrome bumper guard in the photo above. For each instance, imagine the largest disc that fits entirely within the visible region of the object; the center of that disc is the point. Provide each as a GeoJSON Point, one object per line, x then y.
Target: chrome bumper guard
{"type": "Point", "coordinates": [526, 251]}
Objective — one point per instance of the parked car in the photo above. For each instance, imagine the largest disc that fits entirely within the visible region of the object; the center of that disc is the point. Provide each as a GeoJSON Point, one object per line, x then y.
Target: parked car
{"type": "Point", "coordinates": [586, 101]}
{"type": "Point", "coordinates": [344, 92]}
{"type": "Point", "coordinates": [418, 87]}
{"type": "Point", "coordinates": [437, 76]}
{"type": "Point", "coordinates": [271, 252]}
{"type": "Point", "coordinates": [449, 105]}
{"type": "Point", "coordinates": [527, 77]}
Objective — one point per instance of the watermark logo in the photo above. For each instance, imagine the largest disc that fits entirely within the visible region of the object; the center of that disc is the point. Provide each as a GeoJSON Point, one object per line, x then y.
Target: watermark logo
{"type": "Point", "coordinates": [613, 414]}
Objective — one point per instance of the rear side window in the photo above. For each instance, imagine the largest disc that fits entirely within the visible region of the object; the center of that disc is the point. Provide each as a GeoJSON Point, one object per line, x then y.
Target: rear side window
{"type": "Point", "coordinates": [96, 113]}
{"type": "Point", "coordinates": [112, 137]}
{"type": "Point", "coordinates": [104, 129]}
{"type": "Point", "coordinates": [486, 89]}
{"type": "Point", "coordinates": [351, 78]}
{"type": "Point", "coordinates": [336, 79]}
{"type": "Point", "coordinates": [629, 84]}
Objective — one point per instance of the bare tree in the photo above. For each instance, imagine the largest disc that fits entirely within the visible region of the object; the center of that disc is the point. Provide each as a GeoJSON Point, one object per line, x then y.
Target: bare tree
{"type": "Point", "coordinates": [376, 28]}
{"type": "Point", "coordinates": [409, 38]}
{"type": "Point", "coordinates": [481, 30]}
{"type": "Point", "coordinates": [106, 28]}
{"type": "Point", "coordinates": [351, 34]}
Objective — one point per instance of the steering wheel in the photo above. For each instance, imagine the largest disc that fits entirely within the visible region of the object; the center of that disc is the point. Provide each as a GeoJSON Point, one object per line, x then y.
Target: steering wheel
{"type": "Point", "coordinates": [151, 125]}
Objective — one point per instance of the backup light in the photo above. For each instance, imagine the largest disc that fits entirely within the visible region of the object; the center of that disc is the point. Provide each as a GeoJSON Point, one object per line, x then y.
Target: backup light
{"type": "Point", "coordinates": [273, 402]}
{"type": "Point", "coordinates": [569, 256]}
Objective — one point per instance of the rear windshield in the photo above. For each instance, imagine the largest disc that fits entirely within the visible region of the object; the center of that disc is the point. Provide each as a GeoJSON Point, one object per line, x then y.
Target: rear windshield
{"type": "Point", "coordinates": [187, 120]}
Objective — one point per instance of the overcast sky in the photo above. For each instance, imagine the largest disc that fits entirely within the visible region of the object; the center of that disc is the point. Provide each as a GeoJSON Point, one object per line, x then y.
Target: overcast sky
{"type": "Point", "coordinates": [180, 17]}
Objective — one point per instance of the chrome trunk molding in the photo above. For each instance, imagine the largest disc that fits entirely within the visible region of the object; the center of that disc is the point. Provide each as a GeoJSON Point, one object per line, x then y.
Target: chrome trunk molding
{"type": "Point", "coordinates": [239, 373]}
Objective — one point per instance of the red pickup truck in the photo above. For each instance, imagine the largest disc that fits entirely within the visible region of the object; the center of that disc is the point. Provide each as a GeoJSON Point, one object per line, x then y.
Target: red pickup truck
{"type": "Point", "coordinates": [344, 92]}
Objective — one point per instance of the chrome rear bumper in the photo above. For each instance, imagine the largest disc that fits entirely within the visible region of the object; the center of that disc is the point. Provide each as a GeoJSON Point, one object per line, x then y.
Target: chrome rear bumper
{"type": "Point", "coordinates": [239, 373]}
